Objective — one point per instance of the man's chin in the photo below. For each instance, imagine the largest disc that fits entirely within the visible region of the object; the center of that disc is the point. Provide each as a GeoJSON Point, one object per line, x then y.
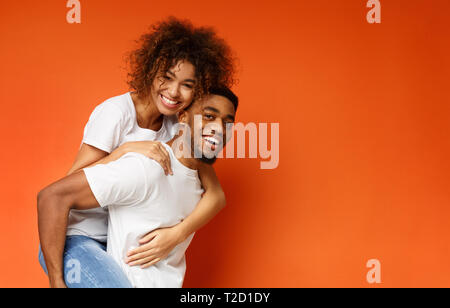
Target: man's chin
{"type": "Point", "coordinates": [206, 160]}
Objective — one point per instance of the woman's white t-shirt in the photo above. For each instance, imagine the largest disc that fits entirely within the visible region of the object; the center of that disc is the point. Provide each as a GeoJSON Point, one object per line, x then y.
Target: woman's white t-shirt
{"type": "Point", "coordinates": [112, 124]}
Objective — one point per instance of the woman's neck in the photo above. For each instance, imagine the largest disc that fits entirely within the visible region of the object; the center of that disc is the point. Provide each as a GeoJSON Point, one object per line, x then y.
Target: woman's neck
{"type": "Point", "coordinates": [147, 114]}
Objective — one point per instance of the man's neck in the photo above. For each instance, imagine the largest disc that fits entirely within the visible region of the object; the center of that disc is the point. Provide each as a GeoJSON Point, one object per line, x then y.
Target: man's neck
{"type": "Point", "coordinates": [189, 162]}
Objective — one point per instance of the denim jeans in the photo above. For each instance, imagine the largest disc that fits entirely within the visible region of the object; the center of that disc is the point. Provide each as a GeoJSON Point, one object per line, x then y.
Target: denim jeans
{"type": "Point", "coordinates": [87, 265]}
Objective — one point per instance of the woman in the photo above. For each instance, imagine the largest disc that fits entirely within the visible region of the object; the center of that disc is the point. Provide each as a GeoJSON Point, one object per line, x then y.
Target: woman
{"type": "Point", "coordinates": [175, 65]}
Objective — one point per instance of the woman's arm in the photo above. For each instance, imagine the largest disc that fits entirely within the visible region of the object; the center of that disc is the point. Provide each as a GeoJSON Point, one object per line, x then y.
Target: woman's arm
{"type": "Point", "coordinates": [89, 156]}
{"type": "Point", "coordinates": [158, 244]}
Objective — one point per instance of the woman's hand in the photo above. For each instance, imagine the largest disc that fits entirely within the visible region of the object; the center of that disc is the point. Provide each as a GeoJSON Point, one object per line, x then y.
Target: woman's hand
{"type": "Point", "coordinates": [153, 150]}
{"type": "Point", "coordinates": [155, 247]}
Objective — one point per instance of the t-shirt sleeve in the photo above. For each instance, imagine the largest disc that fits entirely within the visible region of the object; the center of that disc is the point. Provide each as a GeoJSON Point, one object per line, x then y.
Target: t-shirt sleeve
{"type": "Point", "coordinates": [104, 127]}
{"type": "Point", "coordinates": [122, 182]}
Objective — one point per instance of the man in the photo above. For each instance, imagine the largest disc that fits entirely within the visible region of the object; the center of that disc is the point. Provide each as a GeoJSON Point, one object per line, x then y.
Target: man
{"type": "Point", "coordinates": [138, 195]}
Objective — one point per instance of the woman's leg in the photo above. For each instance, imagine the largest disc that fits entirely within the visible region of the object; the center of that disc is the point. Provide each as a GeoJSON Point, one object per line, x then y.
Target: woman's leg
{"type": "Point", "coordinates": [87, 265]}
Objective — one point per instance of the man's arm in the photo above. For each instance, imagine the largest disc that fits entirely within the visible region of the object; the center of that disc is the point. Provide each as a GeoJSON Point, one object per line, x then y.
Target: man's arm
{"type": "Point", "coordinates": [122, 182]}
{"type": "Point", "coordinates": [54, 205]}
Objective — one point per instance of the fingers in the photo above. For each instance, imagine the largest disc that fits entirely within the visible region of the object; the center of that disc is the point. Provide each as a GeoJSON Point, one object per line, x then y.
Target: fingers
{"type": "Point", "coordinates": [147, 265]}
{"type": "Point", "coordinates": [137, 259]}
{"type": "Point", "coordinates": [145, 244]}
{"type": "Point", "coordinates": [148, 238]}
{"type": "Point", "coordinates": [139, 250]}
{"type": "Point", "coordinates": [145, 262]}
{"type": "Point", "coordinates": [160, 155]}
{"type": "Point", "coordinates": [167, 156]}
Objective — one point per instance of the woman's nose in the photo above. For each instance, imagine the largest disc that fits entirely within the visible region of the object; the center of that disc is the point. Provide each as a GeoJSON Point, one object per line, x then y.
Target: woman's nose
{"type": "Point", "coordinates": [174, 91]}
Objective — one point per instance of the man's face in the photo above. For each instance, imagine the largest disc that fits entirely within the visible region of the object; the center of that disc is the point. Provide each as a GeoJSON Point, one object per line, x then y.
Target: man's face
{"type": "Point", "coordinates": [210, 120]}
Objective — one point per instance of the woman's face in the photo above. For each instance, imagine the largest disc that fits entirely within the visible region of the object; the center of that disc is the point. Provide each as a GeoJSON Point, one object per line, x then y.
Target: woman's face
{"type": "Point", "coordinates": [173, 90]}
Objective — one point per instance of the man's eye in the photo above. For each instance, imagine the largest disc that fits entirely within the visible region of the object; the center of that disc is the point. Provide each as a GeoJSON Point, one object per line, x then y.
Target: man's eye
{"type": "Point", "coordinates": [208, 117]}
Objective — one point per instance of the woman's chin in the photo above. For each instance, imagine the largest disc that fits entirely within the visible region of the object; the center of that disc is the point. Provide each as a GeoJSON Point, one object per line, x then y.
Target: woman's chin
{"type": "Point", "coordinates": [167, 111]}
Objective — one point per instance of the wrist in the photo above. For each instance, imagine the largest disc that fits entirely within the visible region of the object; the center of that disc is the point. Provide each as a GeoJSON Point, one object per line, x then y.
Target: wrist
{"type": "Point", "coordinates": [55, 274]}
{"type": "Point", "coordinates": [59, 284]}
{"type": "Point", "coordinates": [182, 232]}
{"type": "Point", "coordinates": [56, 280]}
{"type": "Point", "coordinates": [123, 149]}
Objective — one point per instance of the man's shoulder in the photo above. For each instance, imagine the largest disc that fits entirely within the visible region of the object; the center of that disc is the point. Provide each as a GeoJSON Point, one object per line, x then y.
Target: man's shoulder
{"type": "Point", "coordinates": [151, 169]}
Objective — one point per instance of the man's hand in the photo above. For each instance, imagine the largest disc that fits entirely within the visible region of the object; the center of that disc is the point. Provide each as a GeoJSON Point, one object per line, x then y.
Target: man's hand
{"type": "Point", "coordinates": [155, 247]}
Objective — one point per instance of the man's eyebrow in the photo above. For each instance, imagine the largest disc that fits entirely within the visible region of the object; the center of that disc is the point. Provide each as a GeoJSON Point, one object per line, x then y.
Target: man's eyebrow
{"type": "Point", "coordinates": [186, 80]}
{"type": "Point", "coordinates": [211, 109]}
{"type": "Point", "coordinates": [230, 117]}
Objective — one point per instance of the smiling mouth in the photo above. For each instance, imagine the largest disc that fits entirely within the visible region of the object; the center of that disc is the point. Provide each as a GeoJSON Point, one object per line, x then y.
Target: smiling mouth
{"type": "Point", "coordinates": [212, 141]}
{"type": "Point", "coordinates": [168, 102]}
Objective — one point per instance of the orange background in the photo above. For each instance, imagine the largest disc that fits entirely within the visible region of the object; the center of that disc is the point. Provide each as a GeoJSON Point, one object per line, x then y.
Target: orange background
{"type": "Point", "coordinates": [364, 145]}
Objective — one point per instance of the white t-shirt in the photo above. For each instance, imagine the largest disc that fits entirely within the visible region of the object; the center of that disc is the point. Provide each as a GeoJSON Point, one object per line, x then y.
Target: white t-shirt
{"type": "Point", "coordinates": [112, 124]}
{"type": "Point", "coordinates": [141, 198]}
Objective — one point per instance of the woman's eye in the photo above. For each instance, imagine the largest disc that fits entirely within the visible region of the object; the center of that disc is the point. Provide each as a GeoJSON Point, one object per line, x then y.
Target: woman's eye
{"type": "Point", "coordinates": [167, 78]}
{"type": "Point", "coordinates": [209, 117]}
{"type": "Point", "coordinates": [188, 86]}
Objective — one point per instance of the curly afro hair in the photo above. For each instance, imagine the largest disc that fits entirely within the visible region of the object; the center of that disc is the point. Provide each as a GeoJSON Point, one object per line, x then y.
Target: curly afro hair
{"type": "Point", "coordinates": [174, 40]}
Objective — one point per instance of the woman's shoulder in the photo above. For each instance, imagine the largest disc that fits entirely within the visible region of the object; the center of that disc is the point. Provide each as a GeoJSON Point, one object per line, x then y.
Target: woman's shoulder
{"type": "Point", "coordinates": [120, 103]}
{"type": "Point", "coordinates": [117, 107]}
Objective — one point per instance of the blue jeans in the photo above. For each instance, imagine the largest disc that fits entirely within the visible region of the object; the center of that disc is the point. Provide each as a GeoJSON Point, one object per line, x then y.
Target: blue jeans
{"type": "Point", "coordinates": [87, 265]}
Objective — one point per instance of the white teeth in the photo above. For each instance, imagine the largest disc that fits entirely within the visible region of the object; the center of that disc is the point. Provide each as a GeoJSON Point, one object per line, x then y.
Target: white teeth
{"type": "Point", "coordinates": [168, 101]}
{"type": "Point", "coordinates": [212, 140]}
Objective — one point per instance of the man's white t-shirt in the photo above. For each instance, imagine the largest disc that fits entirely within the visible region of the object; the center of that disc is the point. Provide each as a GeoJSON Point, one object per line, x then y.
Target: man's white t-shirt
{"type": "Point", "coordinates": [141, 198]}
{"type": "Point", "coordinates": [112, 124]}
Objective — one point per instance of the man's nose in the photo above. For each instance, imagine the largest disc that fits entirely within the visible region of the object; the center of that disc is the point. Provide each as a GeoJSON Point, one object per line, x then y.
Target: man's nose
{"type": "Point", "coordinates": [217, 126]}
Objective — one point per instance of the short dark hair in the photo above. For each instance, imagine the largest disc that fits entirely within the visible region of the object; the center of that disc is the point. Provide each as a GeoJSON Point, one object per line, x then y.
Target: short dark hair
{"type": "Point", "coordinates": [227, 93]}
